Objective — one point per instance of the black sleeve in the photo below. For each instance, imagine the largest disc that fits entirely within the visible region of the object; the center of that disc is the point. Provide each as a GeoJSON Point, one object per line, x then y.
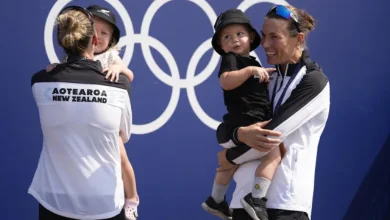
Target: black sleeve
{"type": "Point", "coordinates": [310, 97]}
{"type": "Point", "coordinates": [37, 77]}
{"type": "Point", "coordinates": [228, 63]}
{"type": "Point", "coordinates": [311, 87]}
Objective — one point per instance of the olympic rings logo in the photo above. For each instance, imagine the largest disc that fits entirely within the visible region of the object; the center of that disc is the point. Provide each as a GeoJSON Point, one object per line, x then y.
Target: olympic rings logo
{"type": "Point", "coordinates": [130, 39]}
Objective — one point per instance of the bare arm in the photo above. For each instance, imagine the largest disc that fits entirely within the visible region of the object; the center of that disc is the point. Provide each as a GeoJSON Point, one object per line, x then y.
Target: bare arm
{"type": "Point", "coordinates": [124, 70]}
{"type": "Point", "coordinates": [230, 77]}
{"type": "Point", "coordinates": [233, 79]}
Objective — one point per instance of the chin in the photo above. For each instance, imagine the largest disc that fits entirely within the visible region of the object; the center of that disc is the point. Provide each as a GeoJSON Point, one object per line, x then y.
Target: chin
{"type": "Point", "coordinates": [272, 61]}
{"type": "Point", "coordinates": [237, 51]}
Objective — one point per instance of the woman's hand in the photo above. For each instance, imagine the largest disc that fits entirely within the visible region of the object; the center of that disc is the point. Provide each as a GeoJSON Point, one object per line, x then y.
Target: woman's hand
{"type": "Point", "coordinates": [256, 137]}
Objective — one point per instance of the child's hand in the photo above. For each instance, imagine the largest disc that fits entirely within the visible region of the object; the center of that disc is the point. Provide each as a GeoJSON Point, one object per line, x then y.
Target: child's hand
{"type": "Point", "coordinates": [113, 72]}
{"type": "Point", "coordinates": [50, 67]}
{"type": "Point", "coordinates": [262, 73]}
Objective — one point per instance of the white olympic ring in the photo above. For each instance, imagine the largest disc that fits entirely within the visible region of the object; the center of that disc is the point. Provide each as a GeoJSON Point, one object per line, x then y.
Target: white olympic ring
{"type": "Point", "coordinates": [146, 41]}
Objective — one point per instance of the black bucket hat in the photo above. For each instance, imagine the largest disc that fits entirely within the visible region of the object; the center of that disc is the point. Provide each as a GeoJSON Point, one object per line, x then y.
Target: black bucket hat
{"type": "Point", "coordinates": [232, 16]}
{"type": "Point", "coordinates": [107, 15]}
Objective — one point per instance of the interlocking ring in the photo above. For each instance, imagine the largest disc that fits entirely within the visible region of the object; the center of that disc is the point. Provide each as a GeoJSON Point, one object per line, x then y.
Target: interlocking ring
{"type": "Point", "coordinates": [130, 39]}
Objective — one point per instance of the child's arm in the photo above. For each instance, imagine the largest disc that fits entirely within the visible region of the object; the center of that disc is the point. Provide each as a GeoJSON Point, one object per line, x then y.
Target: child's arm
{"type": "Point", "coordinates": [51, 66]}
{"type": "Point", "coordinates": [230, 77]}
{"type": "Point", "coordinates": [124, 70]}
{"type": "Point", "coordinates": [233, 79]}
{"type": "Point", "coordinates": [117, 67]}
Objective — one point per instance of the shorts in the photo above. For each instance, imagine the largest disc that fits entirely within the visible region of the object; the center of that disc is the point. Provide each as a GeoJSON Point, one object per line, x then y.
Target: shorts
{"type": "Point", "coordinates": [45, 214]}
{"type": "Point", "coordinates": [273, 214]}
{"type": "Point", "coordinates": [225, 134]}
{"type": "Point", "coordinates": [237, 149]}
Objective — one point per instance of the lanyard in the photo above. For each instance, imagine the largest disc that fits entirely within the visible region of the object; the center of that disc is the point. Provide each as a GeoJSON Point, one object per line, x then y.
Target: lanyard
{"type": "Point", "coordinates": [297, 68]}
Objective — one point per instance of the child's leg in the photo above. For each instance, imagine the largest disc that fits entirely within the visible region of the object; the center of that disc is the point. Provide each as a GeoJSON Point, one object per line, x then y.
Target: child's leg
{"type": "Point", "coordinates": [264, 173]}
{"type": "Point", "coordinates": [255, 203]}
{"type": "Point", "coordinates": [223, 178]}
{"type": "Point", "coordinates": [221, 184]}
{"type": "Point", "coordinates": [128, 176]}
{"type": "Point", "coordinates": [216, 203]}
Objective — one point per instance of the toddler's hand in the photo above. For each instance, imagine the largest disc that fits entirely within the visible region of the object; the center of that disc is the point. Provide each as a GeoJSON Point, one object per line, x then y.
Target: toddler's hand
{"type": "Point", "coordinates": [262, 73]}
{"type": "Point", "coordinates": [113, 72]}
{"type": "Point", "coordinates": [50, 67]}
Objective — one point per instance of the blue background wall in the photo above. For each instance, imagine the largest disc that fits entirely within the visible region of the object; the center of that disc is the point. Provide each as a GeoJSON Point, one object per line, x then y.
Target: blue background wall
{"type": "Point", "coordinates": [175, 163]}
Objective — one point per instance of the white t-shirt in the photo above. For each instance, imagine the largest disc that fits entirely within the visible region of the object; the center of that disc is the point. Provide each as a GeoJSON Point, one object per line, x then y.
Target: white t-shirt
{"type": "Point", "coordinates": [107, 58]}
{"type": "Point", "coordinates": [301, 119]}
{"type": "Point", "coordinates": [81, 114]}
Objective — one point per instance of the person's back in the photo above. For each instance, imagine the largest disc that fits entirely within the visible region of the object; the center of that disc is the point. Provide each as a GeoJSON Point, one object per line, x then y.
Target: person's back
{"type": "Point", "coordinates": [80, 114]}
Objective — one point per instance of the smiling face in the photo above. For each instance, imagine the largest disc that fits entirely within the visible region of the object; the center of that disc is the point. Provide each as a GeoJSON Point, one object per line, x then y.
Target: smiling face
{"type": "Point", "coordinates": [236, 38]}
{"type": "Point", "coordinates": [279, 46]}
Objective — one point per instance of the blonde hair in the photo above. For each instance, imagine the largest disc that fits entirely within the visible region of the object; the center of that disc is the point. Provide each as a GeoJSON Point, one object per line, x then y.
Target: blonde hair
{"type": "Point", "coordinates": [74, 31]}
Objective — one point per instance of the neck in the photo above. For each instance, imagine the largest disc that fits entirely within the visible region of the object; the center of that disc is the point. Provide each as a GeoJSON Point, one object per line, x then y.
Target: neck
{"type": "Point", "coordinates": [87, 55]}
{"type": "Point", "coordinates": [245, 54]}
{"type": "Point", "coordinates": [89, 52]}
{"type": "Point", "coordinates": [296, 57]}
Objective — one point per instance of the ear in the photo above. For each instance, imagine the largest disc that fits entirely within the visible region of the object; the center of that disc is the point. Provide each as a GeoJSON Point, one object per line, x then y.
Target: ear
{"type": "Point", "coordinates": [219, 42]}
{"type": "Point", "coordinates": [252, 35]}
{"type": "Point", "coordinates": [220, 45]}
{"type": "Point", "coordinates": [300, 38]}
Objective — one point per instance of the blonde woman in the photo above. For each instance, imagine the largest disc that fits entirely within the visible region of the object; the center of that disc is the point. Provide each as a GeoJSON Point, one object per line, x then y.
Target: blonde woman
{"type": "Point", "coordinates": [83, 118]}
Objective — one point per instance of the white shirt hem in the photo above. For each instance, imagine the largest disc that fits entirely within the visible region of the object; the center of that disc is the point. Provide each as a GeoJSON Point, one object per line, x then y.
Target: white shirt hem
{"type": "Point", "coordinates": [69, 215]}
